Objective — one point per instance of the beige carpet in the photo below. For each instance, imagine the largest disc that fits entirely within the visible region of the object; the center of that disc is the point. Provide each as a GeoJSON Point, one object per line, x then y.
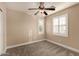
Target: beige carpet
{"type": "Point", "coordinates": [42, 48]}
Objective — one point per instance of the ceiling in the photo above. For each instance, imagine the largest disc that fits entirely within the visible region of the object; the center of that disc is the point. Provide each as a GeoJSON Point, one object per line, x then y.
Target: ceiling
{"type": "Point", "coordinates": [23, 6]}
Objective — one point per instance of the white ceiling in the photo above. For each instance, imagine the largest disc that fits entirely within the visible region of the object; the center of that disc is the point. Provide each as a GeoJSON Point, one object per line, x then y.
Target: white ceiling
{"type": "Point", "coordinates": [23, 6]}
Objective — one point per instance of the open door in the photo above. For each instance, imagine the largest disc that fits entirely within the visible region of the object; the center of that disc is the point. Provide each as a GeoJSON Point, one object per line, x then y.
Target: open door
{"type": "Point", "coordinates": [1, 32]}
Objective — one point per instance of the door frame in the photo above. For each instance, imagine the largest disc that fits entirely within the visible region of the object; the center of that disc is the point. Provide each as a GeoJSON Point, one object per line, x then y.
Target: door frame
{"type": "Point", "coordinates": [3, 25]}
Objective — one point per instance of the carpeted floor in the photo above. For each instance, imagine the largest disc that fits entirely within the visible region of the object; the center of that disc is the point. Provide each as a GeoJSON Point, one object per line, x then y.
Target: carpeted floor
{"type": "Point", "coordinates": [42, 48]}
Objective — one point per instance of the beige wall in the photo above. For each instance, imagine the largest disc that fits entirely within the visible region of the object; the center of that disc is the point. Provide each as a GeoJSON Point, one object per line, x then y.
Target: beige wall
{"type": "Point", "coordinates": [21, 28]}
{"type": "Point", "coordinates": [73, 19]}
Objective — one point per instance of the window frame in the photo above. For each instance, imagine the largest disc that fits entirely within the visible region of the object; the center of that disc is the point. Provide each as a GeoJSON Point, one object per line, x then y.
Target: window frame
{"type": "Point", "coordinates": [59, 33]}
{"type": "Point", "coordinates": [41, 25]}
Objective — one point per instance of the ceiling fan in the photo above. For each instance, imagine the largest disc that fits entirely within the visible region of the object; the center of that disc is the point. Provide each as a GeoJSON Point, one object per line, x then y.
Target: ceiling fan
{"type": "Point", "coordinates": [42, 8]}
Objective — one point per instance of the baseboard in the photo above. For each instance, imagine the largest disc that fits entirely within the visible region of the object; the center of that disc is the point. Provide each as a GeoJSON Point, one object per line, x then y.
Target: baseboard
{"type": "Point", "coordinates": [24, 44]}
{"type": "Point", "coordinates": [65, 46]}
{"type": "Point", "coordinates": [59, 44]}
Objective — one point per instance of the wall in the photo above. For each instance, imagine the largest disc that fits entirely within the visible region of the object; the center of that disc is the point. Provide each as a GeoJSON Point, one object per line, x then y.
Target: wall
{"type": "Point", "coordinates": [73, 19]}
{"type": "Point", "coordinates": [21, 28]}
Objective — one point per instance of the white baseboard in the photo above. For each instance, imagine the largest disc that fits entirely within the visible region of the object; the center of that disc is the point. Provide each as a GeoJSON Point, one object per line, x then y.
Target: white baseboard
{"type": "Point", "coordinates": [23, 44]}
{"type": "Point", "coordinates": [59, 44]}
{"type": "Point", "coordinates": [65, 46]}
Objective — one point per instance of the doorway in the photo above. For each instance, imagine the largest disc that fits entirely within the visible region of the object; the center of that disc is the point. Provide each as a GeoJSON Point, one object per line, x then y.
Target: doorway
{"type": "Point", "coordinates": [1, 32]}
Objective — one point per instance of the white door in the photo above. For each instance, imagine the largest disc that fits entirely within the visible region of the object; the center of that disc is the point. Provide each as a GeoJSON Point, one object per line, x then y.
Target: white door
{"type": "Point", "coordinates": [1, 33]}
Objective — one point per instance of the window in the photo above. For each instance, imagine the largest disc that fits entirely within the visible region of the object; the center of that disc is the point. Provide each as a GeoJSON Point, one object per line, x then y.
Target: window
{"type": "Point", "coordinates": [41, 26]}
{"type": "Point", "coordinates": [60, 25]}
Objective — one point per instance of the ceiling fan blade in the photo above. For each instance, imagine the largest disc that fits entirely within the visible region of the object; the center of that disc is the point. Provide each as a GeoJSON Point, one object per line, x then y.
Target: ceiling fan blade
{"type": "Point", "coordinates": [36, 13]}
{"type": "Point", "coordinates": [45, 13]}
{"type": "Point", "coordinates": [49, 8]}
{"type": "Point", "coordinates": [33, 8]}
